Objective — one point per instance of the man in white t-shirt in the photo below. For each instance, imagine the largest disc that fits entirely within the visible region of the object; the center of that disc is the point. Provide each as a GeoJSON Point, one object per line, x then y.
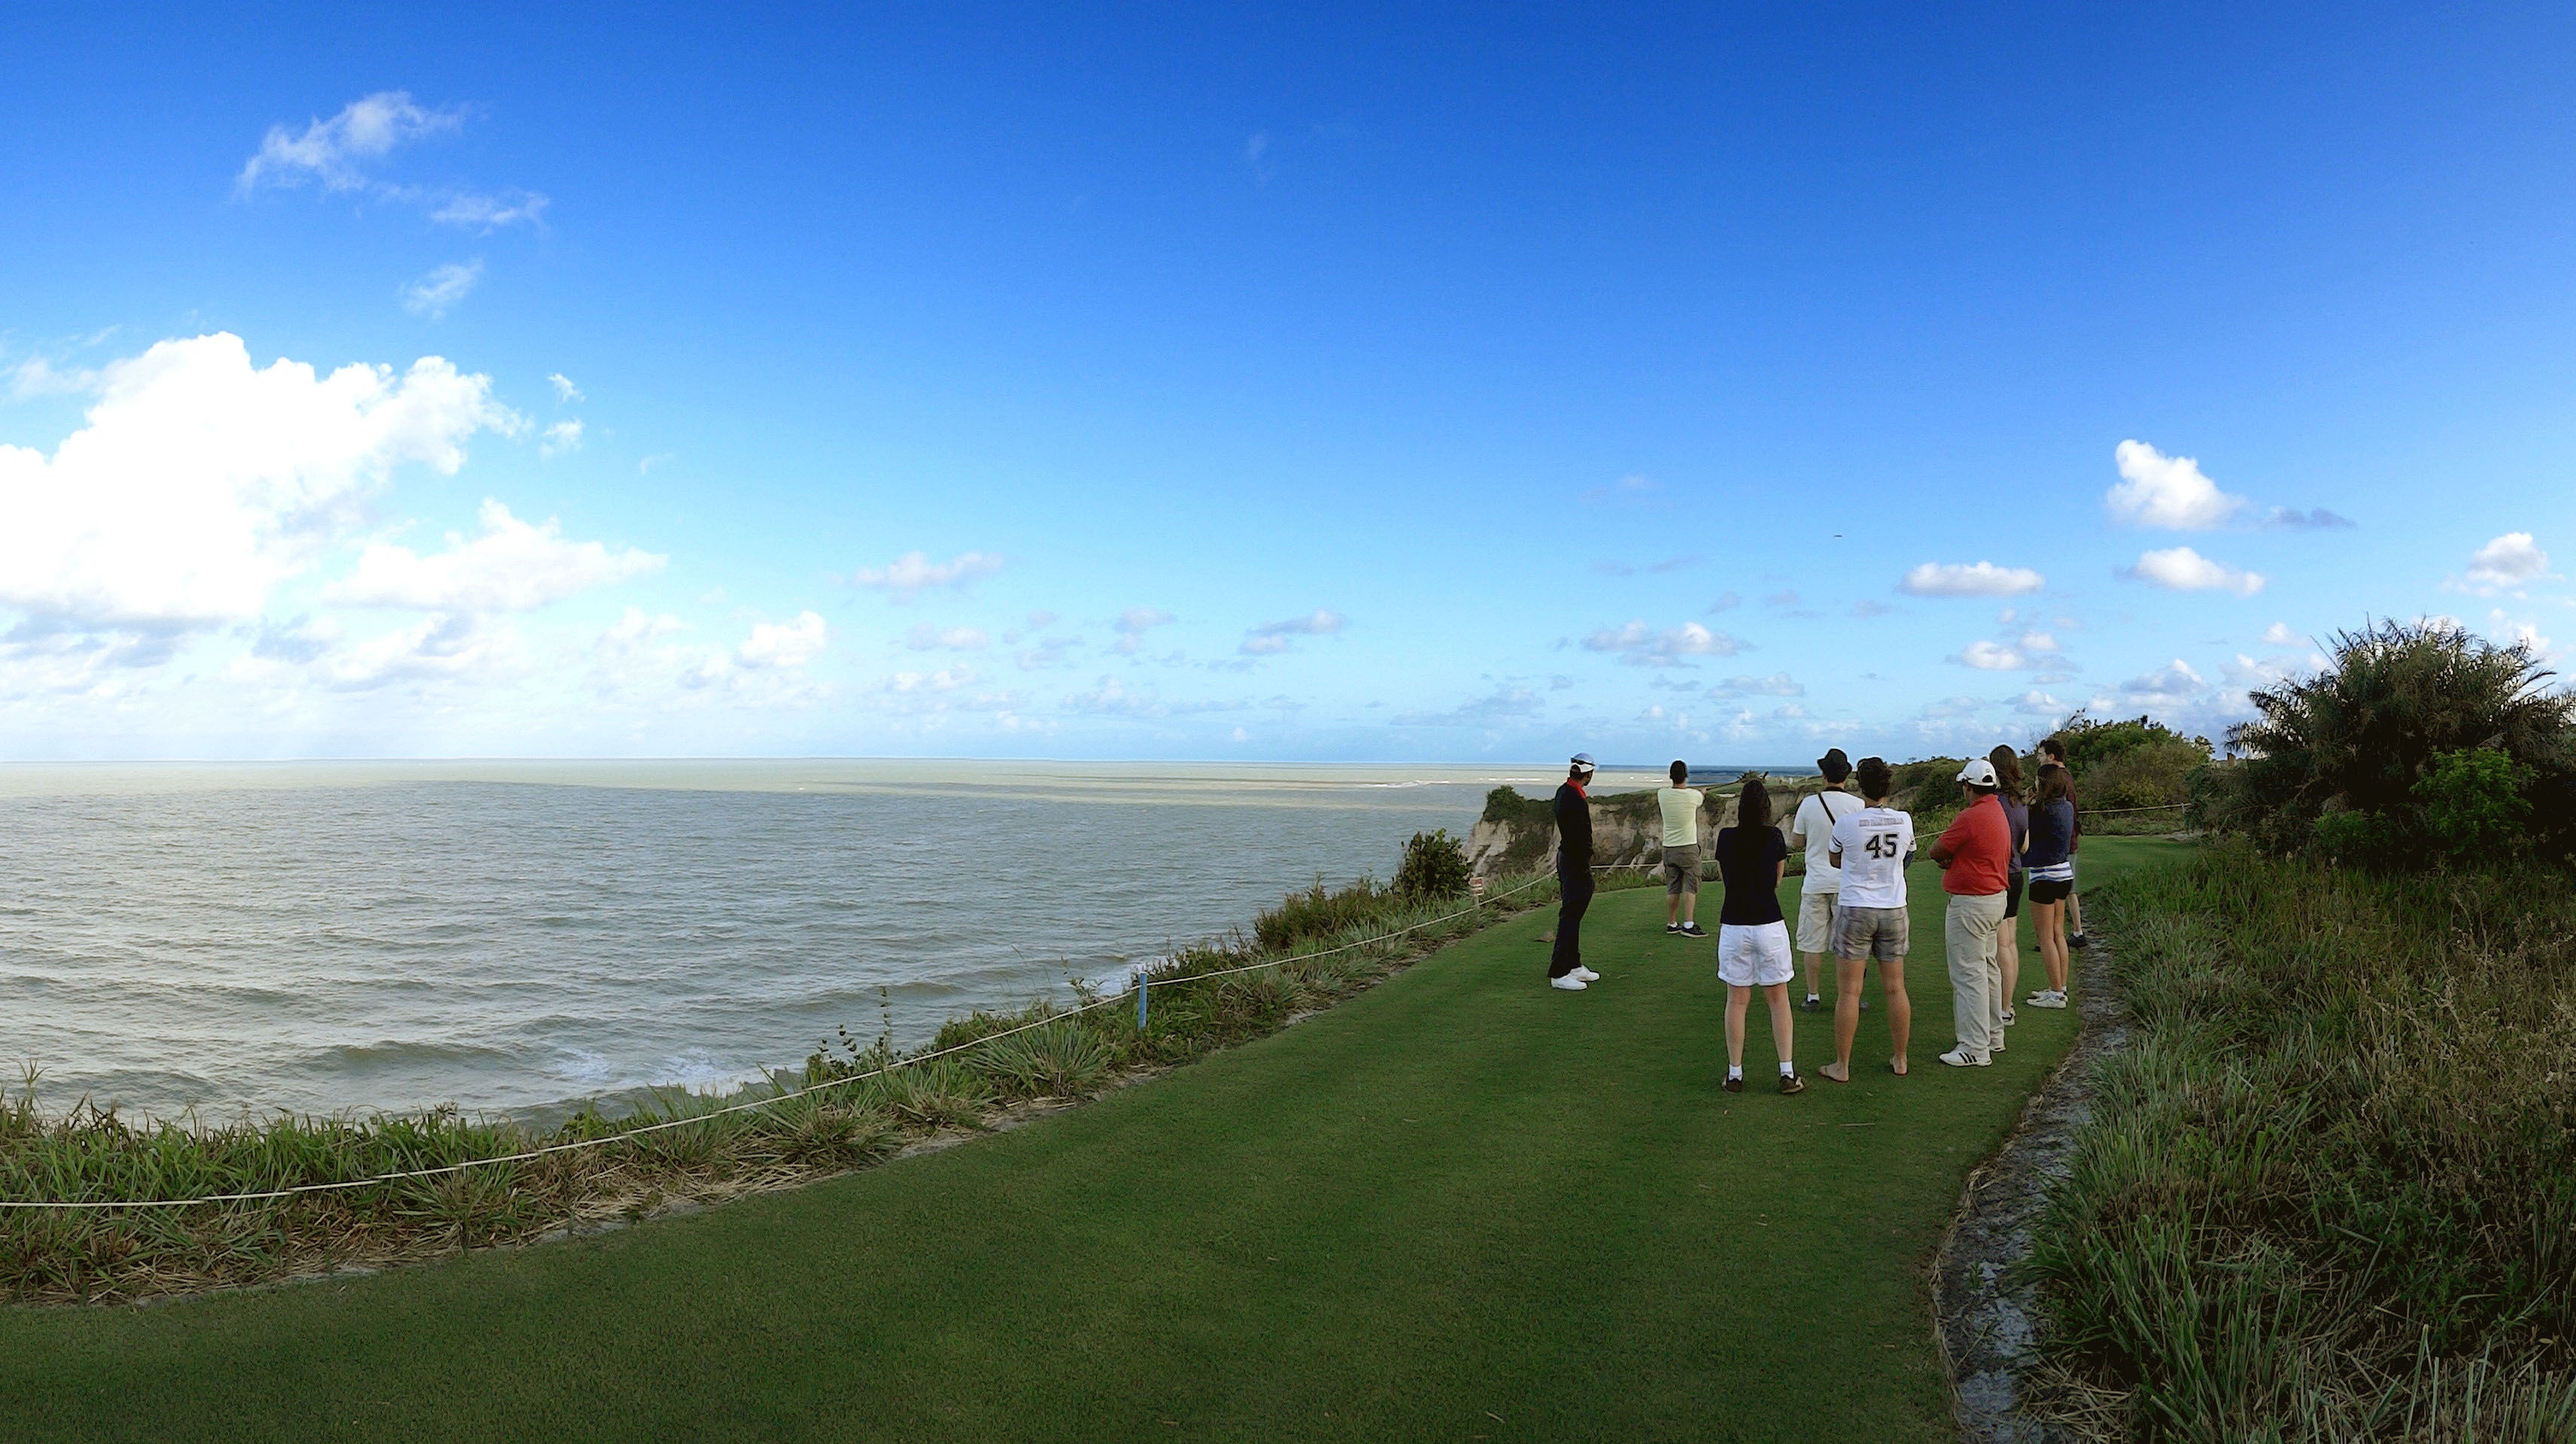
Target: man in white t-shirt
{"type": "Point", "coordinates": [1814, 831]}
{"type": "Point", "coordinates": [1871, 846]}
{"type": "Point", "coordinates": [1681, 806]}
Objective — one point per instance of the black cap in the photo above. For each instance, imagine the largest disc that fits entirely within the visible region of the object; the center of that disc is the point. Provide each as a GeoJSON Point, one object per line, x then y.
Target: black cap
{"type": "Point", "coordinates": [1834, 764]}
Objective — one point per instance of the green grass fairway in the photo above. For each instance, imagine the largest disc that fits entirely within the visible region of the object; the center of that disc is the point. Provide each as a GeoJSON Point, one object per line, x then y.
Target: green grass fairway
{"type": "Point", "coordinates": [1460, 1206]}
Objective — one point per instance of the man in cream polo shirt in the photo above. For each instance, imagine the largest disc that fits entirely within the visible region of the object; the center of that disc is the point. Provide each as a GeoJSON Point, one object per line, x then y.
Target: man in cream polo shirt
{"type": "Point", "coordinates": [1814, 831]}
{"type": "Point", "coordinates": [1681, 806]}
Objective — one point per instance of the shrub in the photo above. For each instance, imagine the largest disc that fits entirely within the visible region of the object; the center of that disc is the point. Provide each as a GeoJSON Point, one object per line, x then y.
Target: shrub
{"type": "Point", "coordinates": [1318, 912]}
{"type": "Point", "coordinates": [2363, 734]}
{"type": "Point", "coordinates": [2474, 803]}
{"type": "Point", "coordinates": [1434, 866]}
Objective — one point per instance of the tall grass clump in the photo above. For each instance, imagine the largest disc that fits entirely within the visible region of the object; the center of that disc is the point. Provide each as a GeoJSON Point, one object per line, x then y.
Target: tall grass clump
{"type": "Point", "coordinates": [2329, 1191]}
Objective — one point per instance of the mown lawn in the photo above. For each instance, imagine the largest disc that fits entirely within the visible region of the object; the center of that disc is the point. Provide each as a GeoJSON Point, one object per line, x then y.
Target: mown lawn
{"type": "Point", "coordinates": [1458, 1206]}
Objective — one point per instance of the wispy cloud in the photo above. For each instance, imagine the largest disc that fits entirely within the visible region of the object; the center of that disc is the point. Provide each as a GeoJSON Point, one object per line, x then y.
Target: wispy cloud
{"type": "Point", "coordinates": [1642, 646]}
{"type": "Point", "coordinates": [342, 153]}
{"type": "Point", "coordinates": [1273, 637]}
{"type": "Point", "coordinates": [562, 436]}
{"type": "Point", "coordinates": [1973, 579]}
{"type": "Point", "coordinates": [435, 294]}
{"type": "Point", "coordinates": [1134, 623]}
{"type": "Point", "coordinates": [1628, 569]}
{"type": "Point", "coordinates": [1778, 684]}
{"type": "Point", "coordinates": [565, 391]}
{"type": "Point", "coordinates": [1503, 704]}
{"type": "Point", "coordinates": [914, 572]}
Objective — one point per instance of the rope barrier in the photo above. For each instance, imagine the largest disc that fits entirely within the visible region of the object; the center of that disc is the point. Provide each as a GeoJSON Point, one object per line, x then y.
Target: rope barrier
{"type": "Point", "coordinates": [381, 1179]}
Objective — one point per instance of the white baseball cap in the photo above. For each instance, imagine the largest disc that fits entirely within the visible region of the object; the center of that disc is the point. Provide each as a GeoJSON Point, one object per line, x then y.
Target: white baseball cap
{"type": "Point", "coordinates": [1978, 773]}
{"type": "Point", "coordinates": [1583, 761]}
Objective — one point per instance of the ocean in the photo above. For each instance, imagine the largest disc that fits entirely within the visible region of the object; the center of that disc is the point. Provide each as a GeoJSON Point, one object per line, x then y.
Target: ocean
{"type": "Point", "coordinates": [522, 937]}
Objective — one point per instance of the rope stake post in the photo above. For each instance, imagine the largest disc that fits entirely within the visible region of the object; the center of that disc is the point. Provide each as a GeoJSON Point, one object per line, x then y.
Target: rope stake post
{"type": "Point", "coordinates": [1140, 1000]}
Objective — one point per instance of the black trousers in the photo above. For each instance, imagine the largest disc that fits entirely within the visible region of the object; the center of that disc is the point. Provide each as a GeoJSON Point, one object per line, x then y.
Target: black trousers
{"type": "Point", "coordinates": [1575, 887]}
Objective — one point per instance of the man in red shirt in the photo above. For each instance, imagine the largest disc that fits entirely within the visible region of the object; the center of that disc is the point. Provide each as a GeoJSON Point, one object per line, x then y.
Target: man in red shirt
{"type": "Point", "coordinates": [1973, 855]}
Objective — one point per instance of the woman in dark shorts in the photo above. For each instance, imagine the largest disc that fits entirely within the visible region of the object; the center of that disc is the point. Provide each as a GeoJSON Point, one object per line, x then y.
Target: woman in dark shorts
{"type": "Point", "coordinates": [2052, 877]}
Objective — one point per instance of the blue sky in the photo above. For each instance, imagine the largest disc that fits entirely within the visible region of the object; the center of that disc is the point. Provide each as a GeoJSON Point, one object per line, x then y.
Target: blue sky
{"type": "Point", "coordinates": [1297, 383]}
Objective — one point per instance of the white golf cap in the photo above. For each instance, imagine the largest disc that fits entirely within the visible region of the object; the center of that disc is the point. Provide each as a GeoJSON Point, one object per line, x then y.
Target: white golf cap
{"type": "Point", "coordinates": [1978, 773]}
{"type": "Point", "coordinates": [1583, 760]}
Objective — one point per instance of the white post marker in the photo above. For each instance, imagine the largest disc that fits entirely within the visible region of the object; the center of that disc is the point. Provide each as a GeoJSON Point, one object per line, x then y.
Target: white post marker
{"type": "Point", "coordinates": [1476, 885]}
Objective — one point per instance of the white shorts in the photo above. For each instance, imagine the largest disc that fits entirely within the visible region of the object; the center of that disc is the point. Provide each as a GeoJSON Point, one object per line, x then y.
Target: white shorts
{"type": "Point", "coordinates": [1753, 955]}
{"type": "Point", "coordinates": [1816, 921]}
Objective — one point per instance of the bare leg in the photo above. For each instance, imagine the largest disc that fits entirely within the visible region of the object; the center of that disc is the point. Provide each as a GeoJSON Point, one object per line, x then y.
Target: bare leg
{"type": "Point", "coordinates": [1778, 996]}
{"type": "Point", "coordinates": [1847, 976]}
{"type": "Point", "coordinates": [1736, 998]}
{"type": "Point", "coordinates": [1815, 965]}
{"type": "Point", "coordinates": [1900, 1012]}
{"type": "Point", "coordinates": [1690, 907]}
{"type": "Point", "coordinates": [2050, 920]}
{"type": "Point", "coordinates": [2074, 913]}
{"type": "Point", "coordinates": [1672, 909]}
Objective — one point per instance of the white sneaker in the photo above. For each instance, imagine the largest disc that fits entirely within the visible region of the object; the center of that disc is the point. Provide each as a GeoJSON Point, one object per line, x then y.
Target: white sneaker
{"type": "Point", "coordinates": [2008, 1017]}
{"type": "Point", "coordinates": [2049, 999]}
{"type": "Point", "coordinates": [1586, 974]}
{"type": "Point", "coordinates": [1569, 982]}
{"type": "Point", "coordinates": [1962, 1058]}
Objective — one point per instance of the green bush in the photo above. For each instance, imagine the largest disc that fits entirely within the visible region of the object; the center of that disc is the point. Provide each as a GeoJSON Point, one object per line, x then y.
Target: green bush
{"type": "Point", "coordinates": [1434, 866]}
{"type": "Point", "coordinates": [1319, 911]}
{"type": "Point", "coordinates": [2366, 733]}
{"type": "Point", "coordinates": [2474, 803]}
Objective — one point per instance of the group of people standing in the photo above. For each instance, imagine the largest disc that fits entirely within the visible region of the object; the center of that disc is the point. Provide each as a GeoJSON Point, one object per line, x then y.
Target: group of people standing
{"type": "Point", "coordinates": [2004, 844]}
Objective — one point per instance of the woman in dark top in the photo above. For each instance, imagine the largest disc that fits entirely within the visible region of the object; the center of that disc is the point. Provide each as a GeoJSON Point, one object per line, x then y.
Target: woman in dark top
{"type": "Point", "coordinates": [1752, 937]}
{"type": "Point", "coordinates": [2017, 817]}
{"type": "Point", "coordinates": [2052, 877]}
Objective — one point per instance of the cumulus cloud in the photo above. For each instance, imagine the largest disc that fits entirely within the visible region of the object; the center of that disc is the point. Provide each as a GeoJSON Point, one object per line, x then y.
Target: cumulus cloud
{"type": "Point", "coordinates": [1991, 657]}
{"type": "Point", "coordinates": [914, 572]}
{"type": "Point", "coordinates": [2279, 635]}
{"type": "Point", "coordinates": [783, 644]}
{"type": "Point", "coordinates": [2511, 560]}
{"type": "Point", "coordinates": [200, 480]}
{"type": "Point", "coordinates": [1640, 645]}
{"type": "Point", "coordinates": [1273, 637]}
{"type": "Point", "coordinates": [2036, 641]}
{"type": "Point", "coordinates": [1977, 579]}
{"type": "Point", "coordinates": [512, 567]}
{"type": "Point", "coordinates": [2180, 569]}
{"type": "Point", "coordinates": [2036, 703]}
{"type": "Point", "coordinates": [437, 293]}
{"type": "Point", "coordinates": [2171, 685]}
{"type": "Point", "coordinates": [2167, 491]}
{"type": "Point", "coordinates": [926, 638]}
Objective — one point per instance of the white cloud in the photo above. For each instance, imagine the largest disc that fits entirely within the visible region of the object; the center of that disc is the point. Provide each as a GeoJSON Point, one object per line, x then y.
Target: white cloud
{"type": "Point", "coordinates": [783, 644]}
{"type": "Point", "coordinates": [1132, 625]}
{"type": "Point", "coordinates": [2038, 642]}
{"type": "Point", "coordinates": [1640, 645]}
{"type": "Point", "coordinates": [335, 151]}
{"type": "Point", "coordinates": [563, 436]}
{"type": "Point", "coordinates": [565, 390]}
{"type": "Point", "coordinates": [2167, 491]}
{"type": "Point", "coordinates": [1272, 637]}
{"type": "Point", "coordinates": [1978, 579]}
{"type": "Point", "coordinates": [512, 567]}
{"type": "Point", "coordinates": [2170, 685]}
{"type": "Point", "coordinates": [915, 572]}
{"type": "Point", "coordinates": [2511, 560]}
{"type": "Point", "coordinates": [200, 481]}
{"type": "Point", "coordinates": [435, 294]}
{"type": "Point", "coordinates": [2247, 672]}
{"type": "Point", "coordinates": [1504, 704]}
{"type": "Point", "coordinates": [1778, 684]}
{"type": "Point", "coordinates": [485, 213]}
{"type": "Point", "coordinates": [2036, 703]}
{"type": "Point", "coordinates": [2181, 569]}
{"type": "Point", "coordinates": [2279, 635]}
{"type": "Point", "coordinates": [1990, 657]}
{"type": "Point", "coordinates": [438, 648]}
{"type": "Point", "coordinates": [37, 376]}
{"type": "Point", "coordinates": [925, 638]}
{"type": "Point", "coordinates": [339, 153]}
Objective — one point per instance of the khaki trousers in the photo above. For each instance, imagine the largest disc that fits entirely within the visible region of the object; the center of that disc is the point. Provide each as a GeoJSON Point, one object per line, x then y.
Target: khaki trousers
{"type": "Point", "coordinates": [1976, 973]}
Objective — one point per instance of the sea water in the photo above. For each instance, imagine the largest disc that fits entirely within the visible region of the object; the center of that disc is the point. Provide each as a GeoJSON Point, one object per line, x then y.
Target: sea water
{"type": "Point", "coordinates": [520, 937]}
